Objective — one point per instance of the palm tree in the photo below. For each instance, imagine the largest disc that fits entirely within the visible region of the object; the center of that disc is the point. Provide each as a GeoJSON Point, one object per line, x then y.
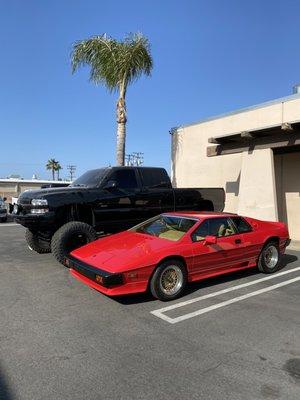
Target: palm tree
{"type": "Point", "coordinates": [51, 165]}
{"type": "Point", "coordinates": [115, 64]}
{"type": "Point", "coordinates": [58, 168]}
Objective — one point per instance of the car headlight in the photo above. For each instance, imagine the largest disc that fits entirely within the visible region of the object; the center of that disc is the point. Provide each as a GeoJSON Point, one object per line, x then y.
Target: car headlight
{"type": "Point", "coordinates": [39, 202]}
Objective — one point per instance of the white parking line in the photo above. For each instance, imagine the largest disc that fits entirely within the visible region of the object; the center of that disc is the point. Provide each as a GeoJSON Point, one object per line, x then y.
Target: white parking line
{"type": "Point", "coordinates": [160, 312]}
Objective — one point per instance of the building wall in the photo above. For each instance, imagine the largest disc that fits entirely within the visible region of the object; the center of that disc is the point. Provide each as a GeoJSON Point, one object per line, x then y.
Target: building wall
{"type": "Point", "coordinates": [191, 166]}
{"type": "Point", "coordinates": [13, 188]}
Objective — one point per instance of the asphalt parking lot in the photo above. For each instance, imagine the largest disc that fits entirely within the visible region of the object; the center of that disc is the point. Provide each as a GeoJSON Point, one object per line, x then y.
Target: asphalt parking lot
{"type": "Point", "coordinates": [235, 337]}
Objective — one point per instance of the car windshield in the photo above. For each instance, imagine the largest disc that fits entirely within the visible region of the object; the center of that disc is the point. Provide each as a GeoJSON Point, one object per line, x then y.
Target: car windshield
{"type": "Point", "coordinates": [91, 178]}
{"type": "Point", "coordinates": [166, 227]}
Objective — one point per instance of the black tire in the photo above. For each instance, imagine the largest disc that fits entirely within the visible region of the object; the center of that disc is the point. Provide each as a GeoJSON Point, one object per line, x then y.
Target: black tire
{"type": "Point", "coordinates": [269, 258]}
{"type": "Point", "coordinates": [36, 243]}
{"type": "Point", "coordinates": [69, 237]}
{"type": "Point", "coordinates": [156, 282]}
{"type": "Point", "coordinates": [3, 219]}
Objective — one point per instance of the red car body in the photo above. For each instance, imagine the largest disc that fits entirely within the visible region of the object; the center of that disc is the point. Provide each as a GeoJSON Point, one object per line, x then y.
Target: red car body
{"type": "Point", "coordinates": [124, 263]}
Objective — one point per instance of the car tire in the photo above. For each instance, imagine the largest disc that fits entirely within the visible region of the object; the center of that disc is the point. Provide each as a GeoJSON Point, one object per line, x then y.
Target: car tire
{"type": "Point", "coordinates": [269, 258]}
{"type": "Point", "coordinates": [36, 243]}
{"type": "Point", "coordinates": [169, 280]}
{"type": "Point", "coordinates": [69, 237]}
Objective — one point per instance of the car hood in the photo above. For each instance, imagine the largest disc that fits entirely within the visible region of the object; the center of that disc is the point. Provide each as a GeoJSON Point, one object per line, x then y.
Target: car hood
{"type": "Point", "coordinates": [123, 251]}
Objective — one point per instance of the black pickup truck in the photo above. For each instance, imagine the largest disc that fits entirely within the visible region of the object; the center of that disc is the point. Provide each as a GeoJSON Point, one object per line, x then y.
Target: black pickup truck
{"type": "Point", "coordinates": [104, 201]}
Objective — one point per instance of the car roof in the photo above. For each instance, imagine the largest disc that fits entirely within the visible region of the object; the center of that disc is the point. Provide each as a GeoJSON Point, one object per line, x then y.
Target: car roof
{"type": "Point", "coordinates": [200, 214]}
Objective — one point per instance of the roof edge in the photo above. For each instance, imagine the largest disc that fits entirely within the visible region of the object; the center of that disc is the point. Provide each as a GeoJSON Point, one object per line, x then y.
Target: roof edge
{"type": "Point", "coordinates": [241, 110]}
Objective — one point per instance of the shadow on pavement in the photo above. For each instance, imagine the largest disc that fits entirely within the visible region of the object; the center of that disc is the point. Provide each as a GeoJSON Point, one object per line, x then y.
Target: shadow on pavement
{"type": "Point", "coordinates": [5, 393]}
{"type": "Point", "coordinates": [209, 282]}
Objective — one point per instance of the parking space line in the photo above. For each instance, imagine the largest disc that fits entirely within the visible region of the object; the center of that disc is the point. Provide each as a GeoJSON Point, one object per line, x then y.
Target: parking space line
{"type": "Point", "coordinates": [160, 312]}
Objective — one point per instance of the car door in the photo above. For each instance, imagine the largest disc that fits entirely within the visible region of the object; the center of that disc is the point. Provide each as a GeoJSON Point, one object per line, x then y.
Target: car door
{"type": "Point", "coordinates": [251, 243]}
{"type": "Point", "coordinates": [225, 254]}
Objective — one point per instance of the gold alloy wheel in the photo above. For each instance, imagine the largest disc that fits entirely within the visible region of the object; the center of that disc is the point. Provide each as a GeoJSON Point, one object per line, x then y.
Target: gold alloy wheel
{"type": "Point", "coordinates": [171, 280]}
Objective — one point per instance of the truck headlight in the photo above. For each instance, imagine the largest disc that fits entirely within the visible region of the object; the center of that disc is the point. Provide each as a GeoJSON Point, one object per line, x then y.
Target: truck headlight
{"type": "Point", "coordinates": [39, 210]}
{"type": "Point", "coordinates": [39, 202]}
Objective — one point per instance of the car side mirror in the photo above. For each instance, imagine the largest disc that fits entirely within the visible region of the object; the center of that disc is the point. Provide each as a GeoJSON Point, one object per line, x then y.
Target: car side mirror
{"type": "Point", "coordinates": [110, 185]}
{"type": "Point", "coordinates": [4, 198]}
{"type": "Point", "coordinates": [210, 240]}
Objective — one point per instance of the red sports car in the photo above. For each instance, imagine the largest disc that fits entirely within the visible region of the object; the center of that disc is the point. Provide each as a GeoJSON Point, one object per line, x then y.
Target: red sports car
{"type": "Point", "coordinates": [168, 251]}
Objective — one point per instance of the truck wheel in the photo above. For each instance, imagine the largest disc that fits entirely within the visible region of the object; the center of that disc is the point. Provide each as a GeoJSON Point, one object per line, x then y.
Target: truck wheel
{"type": "Point", "coordinates": [69, 237]}
{"type": "Point", "coordinates": [36, 243]}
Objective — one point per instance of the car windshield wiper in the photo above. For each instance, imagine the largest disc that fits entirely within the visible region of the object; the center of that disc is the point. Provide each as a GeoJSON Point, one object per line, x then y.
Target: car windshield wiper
{"type": "Point", "coordinates": [79, 185]}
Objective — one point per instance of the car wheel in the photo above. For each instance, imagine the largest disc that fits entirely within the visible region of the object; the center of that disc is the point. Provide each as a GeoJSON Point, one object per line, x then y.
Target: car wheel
{"type": "Point", "coordinates": [269, 258]}
{"type": "Point", "coordinates": [3, 219]}
{"type": "Point", "coordinates": [169, 280]}
{"type": "Point", "coordinates": [69, 237]}
{"type": "Point", "coordinates": [37, 243]}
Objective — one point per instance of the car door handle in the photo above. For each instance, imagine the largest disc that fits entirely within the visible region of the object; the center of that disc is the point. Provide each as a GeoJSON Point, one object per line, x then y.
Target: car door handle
{"type": "Point", "coordinates": [238, 241]}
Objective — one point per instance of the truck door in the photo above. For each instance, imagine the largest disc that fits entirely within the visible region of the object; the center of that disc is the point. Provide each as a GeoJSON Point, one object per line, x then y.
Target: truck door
{"type": "Point", "coordinates": [157, 193]}
{"type": "Point", "coordinates": [117, 211]}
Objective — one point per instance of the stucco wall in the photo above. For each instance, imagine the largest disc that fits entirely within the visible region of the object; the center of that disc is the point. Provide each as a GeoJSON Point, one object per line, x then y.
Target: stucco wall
{"type": "Point", "coordinates": [191, 166]}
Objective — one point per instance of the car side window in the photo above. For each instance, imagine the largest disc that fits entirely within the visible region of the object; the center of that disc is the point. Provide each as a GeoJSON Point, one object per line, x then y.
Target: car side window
{"type": "Point", "coordinates": [126, 179]}
{"type": "Point", "coordinates": [221, 227]}
{"type": "Point", "coordinates": [241, 224]}
{"type": "Point", "coordinates": [201, 231]}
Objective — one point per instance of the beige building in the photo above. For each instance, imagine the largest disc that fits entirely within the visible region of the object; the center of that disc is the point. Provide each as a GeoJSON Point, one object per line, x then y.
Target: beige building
{"type": "Point", "coordinates": [253, 153]}
{"type": "Point", "coordinates": [11, 188]}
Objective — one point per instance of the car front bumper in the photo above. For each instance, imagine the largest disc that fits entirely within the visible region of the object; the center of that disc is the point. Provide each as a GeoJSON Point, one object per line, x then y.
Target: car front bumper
{"type": "Point", "coordinates": [112, 284]}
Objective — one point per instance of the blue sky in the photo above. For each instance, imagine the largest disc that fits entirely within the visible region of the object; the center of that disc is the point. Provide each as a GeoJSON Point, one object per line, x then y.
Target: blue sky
{"type": "Point", "coordinates": [209, 57]}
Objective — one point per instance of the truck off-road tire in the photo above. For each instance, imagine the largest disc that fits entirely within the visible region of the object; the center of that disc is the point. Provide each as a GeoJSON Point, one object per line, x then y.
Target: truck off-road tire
{"type": "Point", "coordinates": [169, 280]}
{"type": "Point", "coordinates": [69, 237]}
{"type": "Point", "coordinates": [269, 258]}
{"type": "Point", "coordinates": [37, 243]}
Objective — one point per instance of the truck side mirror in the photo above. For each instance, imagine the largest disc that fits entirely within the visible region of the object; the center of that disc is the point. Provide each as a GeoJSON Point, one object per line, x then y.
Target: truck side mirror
{"type": "Point", "coordinates": [111, 184]}
{"type": "Point", "coordinates": [210, 240]}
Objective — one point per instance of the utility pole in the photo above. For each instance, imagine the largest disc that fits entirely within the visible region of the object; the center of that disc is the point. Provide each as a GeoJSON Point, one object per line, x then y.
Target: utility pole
{"type": "Point", "coordinates": [72, 169]}
{"type": "Point", "coordinates": [135, 159]}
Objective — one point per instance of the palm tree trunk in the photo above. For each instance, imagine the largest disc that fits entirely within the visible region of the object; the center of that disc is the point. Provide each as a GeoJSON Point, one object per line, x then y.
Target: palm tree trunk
{"type": "Point", "coordinates": [53, 177]}
{"type": "Point", "coordinates": [121, 131]}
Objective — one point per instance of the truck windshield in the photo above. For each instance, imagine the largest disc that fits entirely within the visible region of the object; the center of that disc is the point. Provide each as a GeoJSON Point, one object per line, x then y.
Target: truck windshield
{"type": "Point", "coordinates": [166, 227]}
{"type": "Point", "coordinates": [90, 178]}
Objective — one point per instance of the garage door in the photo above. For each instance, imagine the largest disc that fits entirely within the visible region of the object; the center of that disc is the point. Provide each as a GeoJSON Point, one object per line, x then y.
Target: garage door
{"type": "Point", "coordinates": [287, 173]}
